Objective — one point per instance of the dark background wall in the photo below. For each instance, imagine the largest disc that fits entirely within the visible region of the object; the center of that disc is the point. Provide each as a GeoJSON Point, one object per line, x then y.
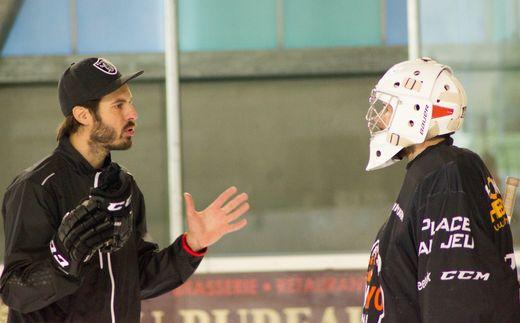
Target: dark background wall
{"type": "Point", "coordinates": [297, 146]}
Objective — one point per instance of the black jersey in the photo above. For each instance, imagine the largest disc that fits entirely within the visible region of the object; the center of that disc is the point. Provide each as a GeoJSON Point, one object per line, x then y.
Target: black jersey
{"type": "Point", "coordinates": [111, 286]}
{"type": "Point", "coordinates": [445, 254]}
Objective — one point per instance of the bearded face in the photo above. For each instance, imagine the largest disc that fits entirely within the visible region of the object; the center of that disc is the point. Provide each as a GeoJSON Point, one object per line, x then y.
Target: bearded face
{"type": "Point", "coordinates": [114, 121]}
{"type": "Point", "coordinates": [109, 138]}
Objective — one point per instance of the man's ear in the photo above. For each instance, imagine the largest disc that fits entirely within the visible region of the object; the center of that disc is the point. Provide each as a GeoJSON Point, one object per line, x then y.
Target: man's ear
{"type": "Point", "coordinates": [82, 115]}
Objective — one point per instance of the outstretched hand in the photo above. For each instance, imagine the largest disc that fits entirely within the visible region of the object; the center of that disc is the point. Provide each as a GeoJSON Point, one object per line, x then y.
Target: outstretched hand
{"type": "Point", "coordinates": [208, 226]}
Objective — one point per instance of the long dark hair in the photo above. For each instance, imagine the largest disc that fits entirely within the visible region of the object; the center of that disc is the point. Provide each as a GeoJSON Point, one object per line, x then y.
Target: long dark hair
{"type": "Point", "coordinates": [70, 125]}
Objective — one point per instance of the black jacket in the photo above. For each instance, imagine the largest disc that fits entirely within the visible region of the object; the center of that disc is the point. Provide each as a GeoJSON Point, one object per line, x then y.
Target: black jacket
{"type": "Point", "coordinates": [445, 254]}
{"type": "Point", "coordinates": [36, 291]}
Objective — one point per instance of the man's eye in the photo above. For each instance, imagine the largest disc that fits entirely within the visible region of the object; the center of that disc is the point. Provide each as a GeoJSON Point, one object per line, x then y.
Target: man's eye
{"type": "Point", "coordinates": [119, 105]}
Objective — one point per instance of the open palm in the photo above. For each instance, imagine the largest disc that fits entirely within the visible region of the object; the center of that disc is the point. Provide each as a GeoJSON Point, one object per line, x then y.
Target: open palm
{"type": "Point", "coordinates": [208, 226]}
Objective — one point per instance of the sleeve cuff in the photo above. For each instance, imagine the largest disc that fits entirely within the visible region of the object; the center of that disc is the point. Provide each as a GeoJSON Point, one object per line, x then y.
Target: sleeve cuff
{"type": "Point", "coordinates": [187, 248]}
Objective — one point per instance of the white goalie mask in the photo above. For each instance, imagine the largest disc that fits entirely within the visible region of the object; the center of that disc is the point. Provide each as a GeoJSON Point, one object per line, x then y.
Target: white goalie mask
{"type": "Point", "coordinates": [414, 101]}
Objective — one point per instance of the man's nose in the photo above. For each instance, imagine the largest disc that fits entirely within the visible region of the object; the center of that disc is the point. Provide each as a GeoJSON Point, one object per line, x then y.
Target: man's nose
{"type": "Point", "coordinates": [132, 113]}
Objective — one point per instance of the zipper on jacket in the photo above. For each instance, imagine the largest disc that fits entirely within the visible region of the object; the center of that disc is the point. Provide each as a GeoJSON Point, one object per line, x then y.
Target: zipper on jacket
{"type": "Point", "coordinates": [112, 281]}
{"type": "Point", "coordinates": [100, 259]}
{"type": "Point", "coordinates": [96, 184]}
{"type": "Point", "coordinates": [113, 293]}
{"type": "Point", "coordinates": [96, 179]}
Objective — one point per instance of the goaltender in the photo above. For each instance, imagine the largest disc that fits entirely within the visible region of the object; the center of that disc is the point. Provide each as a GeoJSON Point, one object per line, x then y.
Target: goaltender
{"type": "Point", "coordinates": [445, 253]}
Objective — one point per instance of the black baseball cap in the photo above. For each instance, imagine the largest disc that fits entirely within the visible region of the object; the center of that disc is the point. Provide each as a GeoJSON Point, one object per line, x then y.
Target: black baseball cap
{"type": "Point", "coordinates": [87, 80]}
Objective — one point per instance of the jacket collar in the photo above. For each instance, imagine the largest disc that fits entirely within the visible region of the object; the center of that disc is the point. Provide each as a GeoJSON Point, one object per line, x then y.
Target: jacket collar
{"type": "Point", "coordinates": [446, 142]}
{"type": "Point", "coordinates": [77, 160]}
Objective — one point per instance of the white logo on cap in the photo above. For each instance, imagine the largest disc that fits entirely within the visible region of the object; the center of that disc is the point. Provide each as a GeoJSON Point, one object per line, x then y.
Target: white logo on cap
{"type": "Point", "coordinates": [105, 66]}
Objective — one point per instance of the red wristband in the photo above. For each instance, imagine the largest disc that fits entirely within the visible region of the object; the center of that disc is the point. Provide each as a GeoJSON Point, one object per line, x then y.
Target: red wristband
{"type": "Point", "coordinates": [185, 246]}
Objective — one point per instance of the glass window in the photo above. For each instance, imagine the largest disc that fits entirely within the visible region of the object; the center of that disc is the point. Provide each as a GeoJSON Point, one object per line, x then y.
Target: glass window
{"type": "Point", "coordinates": [227, 25]}
{"type": "Point", "coordinates": [481, 48]}
{"type": "Point", "coordinates": [309, 23]}
{"type": "Point", "coordinates": [441, 22]}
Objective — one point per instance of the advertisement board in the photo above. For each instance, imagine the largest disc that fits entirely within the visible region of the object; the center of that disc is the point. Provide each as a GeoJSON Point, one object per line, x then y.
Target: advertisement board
{"type": "Point", "coordinates": [327, 296]}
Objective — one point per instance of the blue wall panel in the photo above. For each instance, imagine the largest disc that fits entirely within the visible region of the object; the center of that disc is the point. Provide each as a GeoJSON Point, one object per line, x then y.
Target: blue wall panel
{"type": "Point", "coordinates": [227, 24]}
{"type": "Point", "coordinates": [42, 27]}
{"type": "Point", "coordinates": [120, 26]}
{"type": "Point", "coordinates": [396, 22]}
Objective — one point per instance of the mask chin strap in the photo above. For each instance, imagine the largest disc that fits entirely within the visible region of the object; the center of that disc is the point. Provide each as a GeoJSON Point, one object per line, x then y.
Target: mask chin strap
{"type": "Point", "coordinates": [397, 140]}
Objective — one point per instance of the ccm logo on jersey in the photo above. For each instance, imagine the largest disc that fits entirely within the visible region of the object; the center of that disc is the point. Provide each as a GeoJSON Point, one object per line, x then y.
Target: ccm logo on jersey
{"type": "Point", "coordinates": [118, 206]}
{"type": "Point", "coordinates": [464, 275]}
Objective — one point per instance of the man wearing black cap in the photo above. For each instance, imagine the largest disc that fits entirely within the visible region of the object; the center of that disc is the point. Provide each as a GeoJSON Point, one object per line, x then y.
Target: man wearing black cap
{"type": "Point", "coordinates": [74, 223]}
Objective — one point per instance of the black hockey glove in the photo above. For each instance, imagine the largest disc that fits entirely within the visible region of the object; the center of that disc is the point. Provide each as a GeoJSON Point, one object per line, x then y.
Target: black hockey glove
{"type": "Point", "coordinates": [81, 233]}
{"type": "Point", "coordinates": [115, 193]}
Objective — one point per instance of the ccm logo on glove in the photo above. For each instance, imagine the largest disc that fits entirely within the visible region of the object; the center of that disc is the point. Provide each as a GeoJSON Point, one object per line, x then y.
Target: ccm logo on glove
{"type": "Point", "coordinates": [117, 206]}
{"type": "Point", "coordinates": [59, 258]}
